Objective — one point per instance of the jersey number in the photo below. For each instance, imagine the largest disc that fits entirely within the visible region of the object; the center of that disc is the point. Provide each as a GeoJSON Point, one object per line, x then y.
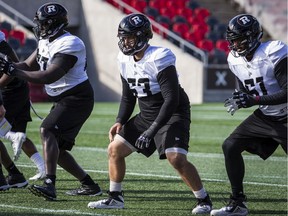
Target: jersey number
{"type": "Point", "coordinates": [143, 83]}
{"type": "Point", "coordinates": [249, 84]}
{"type": "Point", "coordinates": [42, 61]}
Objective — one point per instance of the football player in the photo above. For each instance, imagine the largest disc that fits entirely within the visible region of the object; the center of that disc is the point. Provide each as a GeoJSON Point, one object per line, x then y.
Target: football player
{"type": "Point", "coordinates": [59, 62]}
{"type": "Point", "coordinates": [261, 71]}
{"type": "Point", "coordinates": [149, 75]}
{"type": "Point", "coordinates": [16, 91]}
{"type": "Point", "coordinates": [15, 178]}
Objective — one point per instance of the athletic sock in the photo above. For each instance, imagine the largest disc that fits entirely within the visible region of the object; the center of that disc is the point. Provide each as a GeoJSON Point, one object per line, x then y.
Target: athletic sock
{"type": "Point", "coordinates": [38, 161]}
{"type": "Point", "coordinates": [201, 194]}
{"type": "Point", "coordinates": [52, 178]}
{"type": "Point", "coordinates": [115, 186]}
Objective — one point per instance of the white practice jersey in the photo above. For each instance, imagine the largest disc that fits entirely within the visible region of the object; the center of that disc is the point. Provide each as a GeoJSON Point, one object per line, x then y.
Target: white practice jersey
{"type": "Point", "coordinates": [139, 74]}
{"type": "Point", "coordinates": [2, 36]}
{"type": "Point", "coordinates": [66, 44]}
{"type": "Point", "coordinates": [258, 75]}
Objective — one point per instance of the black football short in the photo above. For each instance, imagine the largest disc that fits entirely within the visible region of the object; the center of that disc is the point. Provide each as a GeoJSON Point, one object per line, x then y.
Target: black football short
{"type": "Point", "coordinates": [175, 133]}
{"type": "Point", "coordinates": [67, 116]}
{"type": "Point", "coordinates": [260, 135]}
{"type": "Point", "coordinates": [17, 105]}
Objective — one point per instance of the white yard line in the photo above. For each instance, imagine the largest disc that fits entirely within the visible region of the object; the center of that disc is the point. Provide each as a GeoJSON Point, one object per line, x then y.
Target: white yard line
{"type": "Point", "coordinates": [191, 155]}
{"type": "Point", "coordinates": [43, 210]}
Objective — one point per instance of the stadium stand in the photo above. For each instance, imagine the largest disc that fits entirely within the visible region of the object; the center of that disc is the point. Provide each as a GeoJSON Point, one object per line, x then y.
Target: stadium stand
{"type": "Point", "coordinates": [187, 19]}
{"type": "Point", "coordinates": [211, 26]}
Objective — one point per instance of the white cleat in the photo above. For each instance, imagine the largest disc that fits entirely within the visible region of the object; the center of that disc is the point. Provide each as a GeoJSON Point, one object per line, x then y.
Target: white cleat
{"type": "Point", "coordinates": [38, 176]}
{"type": "Point", "coordinates": [115, 201]}
{"type": "Point", "coordinates": [235, 207]}
{"type": "Point", "coordinates": [204, 206]}
{"type": "Point", "coordinates": [17, 143]}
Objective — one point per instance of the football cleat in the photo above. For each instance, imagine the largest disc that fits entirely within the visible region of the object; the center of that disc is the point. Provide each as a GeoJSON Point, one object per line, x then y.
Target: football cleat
{"type": "Point", "coordinates": [204, 206]}
{"type": "Point", "coordinates": [47, 190]}
{"type": "Point", "coordinates": [235, 207]}
{"type": "Point", "coordinates": [114, 201]}
{"type": "Point", "coordinates": [3, 183]}
{"type": "Point", "coordinates": [17, 143]}
{"type": "Point", "coordinates": [88, 190]}
{"type": "Point", "coordinates": [39, 176]}
{"type": "Point", "coordinates": [16, 180]}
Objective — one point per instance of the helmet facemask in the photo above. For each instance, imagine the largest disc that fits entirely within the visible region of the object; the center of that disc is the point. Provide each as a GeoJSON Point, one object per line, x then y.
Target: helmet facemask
{"type": "Point", "coordinates": [47, 28]}
{"type": "Point", "coordinates": [244, 44]}
{"type": "Point", "coordinates": [50, 18]}
{"type": "Point", "coordinates": [243, 34]}
{"type": "Point", "coordinates": [134, 32]}
{"type": "Point", "coordinates": [135, 43]}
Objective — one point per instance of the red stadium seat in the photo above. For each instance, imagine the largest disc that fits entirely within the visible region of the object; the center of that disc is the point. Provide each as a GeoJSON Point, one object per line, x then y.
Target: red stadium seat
{"type": "Point", "coordinates": [202, 13]}
{"type": "Point", "coordinates": [139, 5]}
{"type": "Point", "coordinates": [18, 34]}
{"type": "Point", "coordinates": [186, 12]}
{"type": "Point", "coordinates": [170, 12]}
{"type": "Point", "coordinates": [200, 29]}
{"type": "Point", "coordinates": [175, 4]}
{"type": "Point", "coordinates": [206, 45]}
{"type": "Point", "coordinates": [157, 4]}
{"type": "Point", "coordinates": [180, 29]}
{"type": "Point", "coordinates": [222, 44]}
{"type": "Point", "coordinates": [192, 37]}
{"type": "Point", "coordinates": [194, 20]}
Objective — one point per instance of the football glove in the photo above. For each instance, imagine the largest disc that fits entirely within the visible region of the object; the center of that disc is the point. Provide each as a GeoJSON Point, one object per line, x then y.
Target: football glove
{"type": "Point", "coordinates": [6, 66]}
{"type": "Point", "coordinates": [231, 105]}
{"type": "Point", "coordinates": [145, 138]}
{"type": "Point", "coordinates": [245, 100]}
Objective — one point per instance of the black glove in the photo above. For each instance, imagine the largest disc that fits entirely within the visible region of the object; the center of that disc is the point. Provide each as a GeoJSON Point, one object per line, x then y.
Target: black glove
{"type": "Point", "coordinates": [145, 138]}
{"type": "Point", "coordinates": [6, 67]}
{"type": "Point", "coordinates": [245, 100]}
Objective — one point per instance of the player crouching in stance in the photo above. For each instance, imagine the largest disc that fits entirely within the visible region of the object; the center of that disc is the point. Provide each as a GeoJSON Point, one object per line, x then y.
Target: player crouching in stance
{"type": "Point", "coordinates": [148, 74]}
{"type": "Point", "coordinates": [261, 71]}
{"type": "Point", "coordinates": [60, 63]}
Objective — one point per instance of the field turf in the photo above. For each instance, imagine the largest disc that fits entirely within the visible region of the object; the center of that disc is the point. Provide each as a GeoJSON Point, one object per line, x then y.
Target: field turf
{"type": "Point", "coordinates": [151, 186]}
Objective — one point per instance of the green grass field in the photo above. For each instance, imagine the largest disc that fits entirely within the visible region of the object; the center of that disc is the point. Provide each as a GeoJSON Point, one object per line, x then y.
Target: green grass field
{"type": "Point", "coordinates": [151, 186]}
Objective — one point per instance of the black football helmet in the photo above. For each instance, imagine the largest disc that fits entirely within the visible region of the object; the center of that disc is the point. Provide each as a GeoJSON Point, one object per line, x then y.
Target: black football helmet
{"type": "Point", "coordinates": [134, 25]}
{"type": "Point", "coordinates": [50, 18]}
{"type": "Point", "coordinates": [247, 31]}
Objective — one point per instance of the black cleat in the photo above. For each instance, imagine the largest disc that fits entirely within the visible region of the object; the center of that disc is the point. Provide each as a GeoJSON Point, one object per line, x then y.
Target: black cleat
{"type": "Point", "coordinates": [47, 190]}
{"type": "Point", "coordinates": [16, 181]}
{"type": "Point", "coordinates": [88, 190]}
{"type": "Point", "coordinates": [3, 183]}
